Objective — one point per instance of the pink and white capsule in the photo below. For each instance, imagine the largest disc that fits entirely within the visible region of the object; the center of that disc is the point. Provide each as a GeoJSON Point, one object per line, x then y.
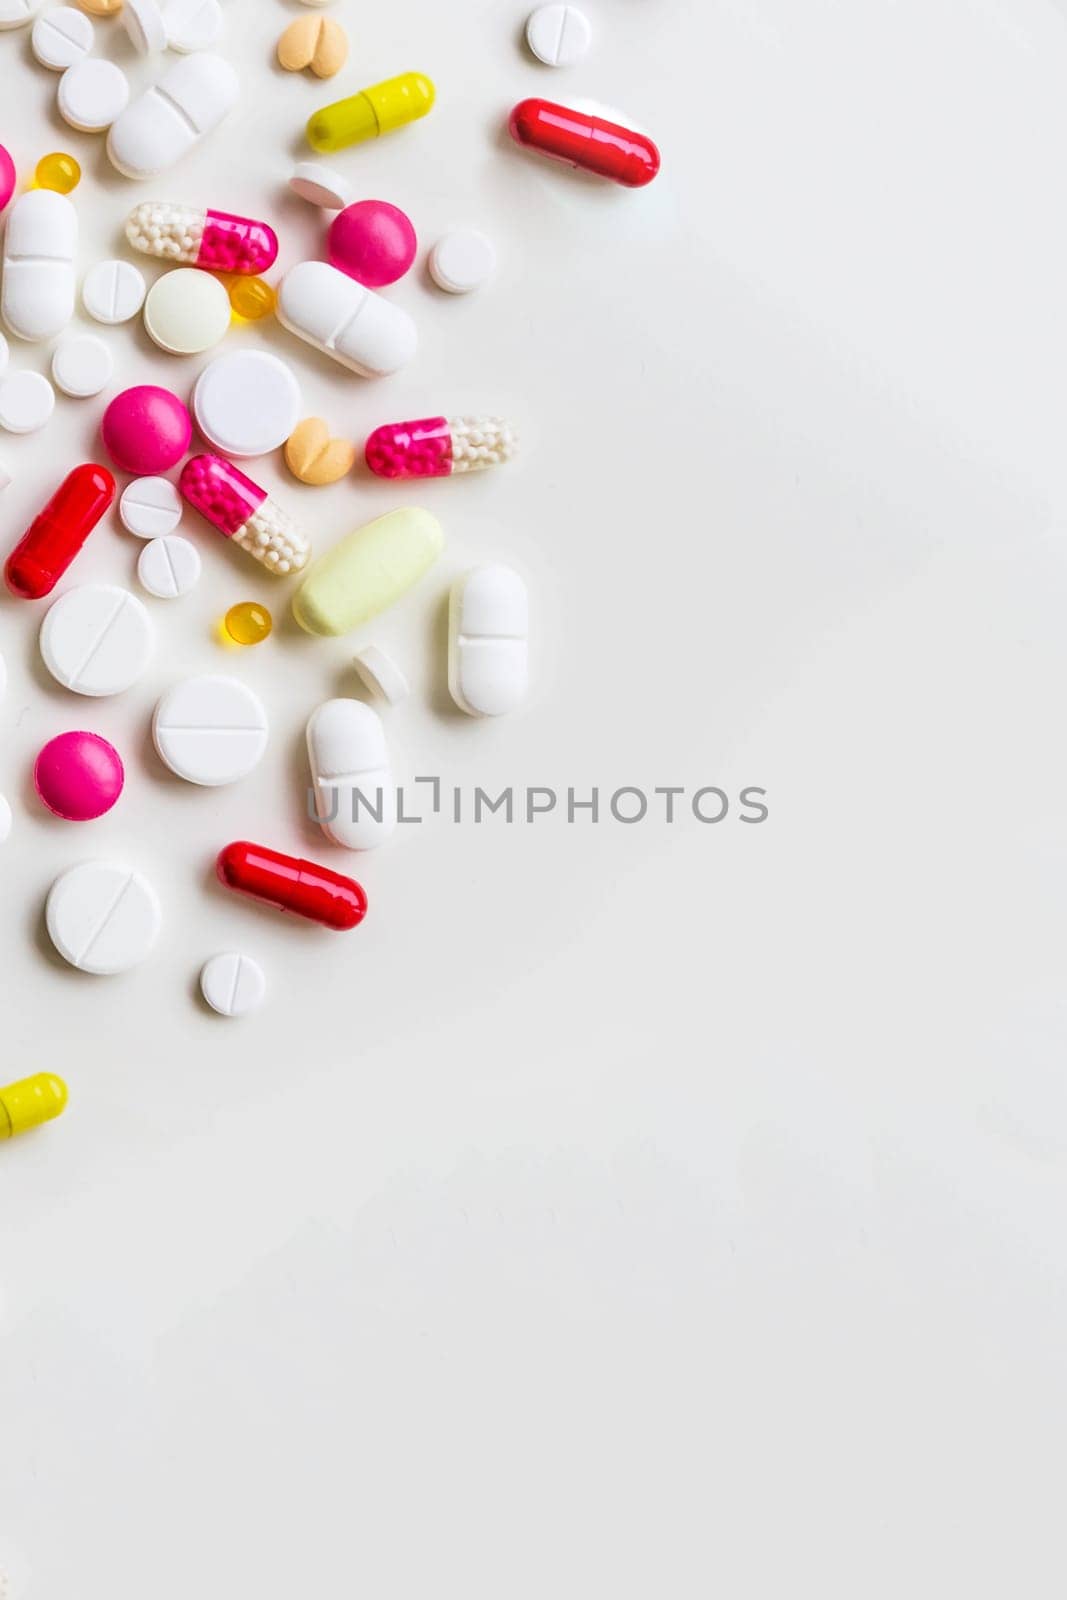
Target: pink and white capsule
{"type": "Point", "coordinates": [214, 240]}
{"type": "Point", "coordinates": [240, 510]}
{"type": "Point", "coordinates": [436, 447]}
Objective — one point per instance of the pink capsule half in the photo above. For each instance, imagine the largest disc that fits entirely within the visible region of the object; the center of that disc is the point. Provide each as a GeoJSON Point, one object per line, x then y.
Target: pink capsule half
{"type": "Point", "coordinates": [214, 240]}
{"type": "Point", "coordinates": [437, 447]}
{"type": "Point", "coordinates": [240, 510]}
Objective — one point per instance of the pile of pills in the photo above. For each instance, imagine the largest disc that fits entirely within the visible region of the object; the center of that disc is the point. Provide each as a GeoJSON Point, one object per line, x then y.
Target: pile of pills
{"type": "Point", "coordinates": [207, 270]}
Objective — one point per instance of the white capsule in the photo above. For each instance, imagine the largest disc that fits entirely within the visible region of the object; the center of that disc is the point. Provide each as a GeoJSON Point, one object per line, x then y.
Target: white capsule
{"type": "Point", "coordinates": [355, 800]}
{"type": "Point", "coordinates": [487, 641]}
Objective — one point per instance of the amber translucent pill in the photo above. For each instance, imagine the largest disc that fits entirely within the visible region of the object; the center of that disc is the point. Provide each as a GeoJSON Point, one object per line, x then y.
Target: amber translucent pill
{"type": "Point", "coordinates": [248, 623]}
{"type": "Point", "coordinates": [57, 171]}
{"type": "Point", "coordinates": [252, 298]}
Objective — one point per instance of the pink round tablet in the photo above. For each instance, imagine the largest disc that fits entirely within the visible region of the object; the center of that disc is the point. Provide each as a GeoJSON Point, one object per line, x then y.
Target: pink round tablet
{"type": "Point", "coordinates": [7, 177]}
{"type": "Point", "coordinates": [372, 241]}
{"type": "Point", "coordinates": [79, 776]}
{"type": "Point", "coordinates": [146, 430]}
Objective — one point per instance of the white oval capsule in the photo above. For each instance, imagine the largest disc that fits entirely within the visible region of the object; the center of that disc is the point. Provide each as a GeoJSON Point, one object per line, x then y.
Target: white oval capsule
{"type": "Point", "coordinates": [37, 299]}
{"type": "Point", "coordinates": [355, 800]}
{"type": "Point", "coordinates": [488, 627]}
{"type": "Point", "coordinates": [164, 123]}
{"type": "Point", "coordinates": [344, 320]}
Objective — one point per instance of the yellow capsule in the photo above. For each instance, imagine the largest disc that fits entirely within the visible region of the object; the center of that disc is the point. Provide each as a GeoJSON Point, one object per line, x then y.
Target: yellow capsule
{"type": "Point", "coordinates": [248, 623]}
{"type": "Point", "coordinates": [252, 298]}
{"type": "Point", "coordinates": [57, 171]}
{"type": "Point", "coordinates": [30, 1102]}
{"type": "Point", "coordinates": [377, 110]}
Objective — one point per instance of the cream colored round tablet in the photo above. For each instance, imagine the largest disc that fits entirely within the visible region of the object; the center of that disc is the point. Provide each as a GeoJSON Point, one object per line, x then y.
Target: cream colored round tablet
{"type": "Point", "coordinates": [92, 94]}
{"type": "Point", "coordinates": [462, 261]}
{"type": "Point", "coordinates": [169, 567]}
{"type": "Point", "coordinates": [558, 35]}
{"type": "Point", "coordinates": [187, 311]}
{"type": "Point", "coordinates": [82, 365]}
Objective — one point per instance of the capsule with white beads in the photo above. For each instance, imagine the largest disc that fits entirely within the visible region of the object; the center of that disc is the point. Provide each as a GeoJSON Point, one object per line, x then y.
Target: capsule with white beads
{"type": "Point", "coordinates": [438, 447]}
{"type": "Point", "coordinates": [214, 240]}
{"type": "Point", "coordinates": [240, 510]}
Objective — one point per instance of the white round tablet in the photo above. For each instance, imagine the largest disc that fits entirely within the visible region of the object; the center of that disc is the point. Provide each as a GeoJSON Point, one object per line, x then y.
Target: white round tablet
{"type": "Point", "coordinates": [96, 639]}
{"type": "Point", "coordinates": [246, 403]}
{"type": "Point", "coordinates": [321, 186]}
{"type": "Point", "coordinates": [192, 24]}
{"type": "Point", "coordinates": [26, 402]}
{"type": "Point", "coordinates": [113, 291]}
{"type": "Point", "coordinates": [82, 365]}
{"type": "Point", "coordinates": [61, 37]}
{"type": "Point", "coordinates": [5, 820]}
{"type": "Point", "coordinates": [92, 94]}
{"type": "Point", "coordinates": [210, 730]}
{"type": "Point", "coordinates": [232, 984]}
{"type": "Point", "coordinates": [102, 917]}
{"type": "Point", "coordinates": [558, 35]}
{"type": "Point", "coordinates": [169, 567]}
{"type": "Point", "coordinates": [461, 261]}
{"type": "Point", "coordinates": [380, 673]}
{"type": "Point", "coordinates": [187, 311]}
{"type": "Point", "coordinates": [143, 21]}
{"type": "Point", "coordinates": [14, 13]}
{"type": "Point", "coordinates": [150, 507]}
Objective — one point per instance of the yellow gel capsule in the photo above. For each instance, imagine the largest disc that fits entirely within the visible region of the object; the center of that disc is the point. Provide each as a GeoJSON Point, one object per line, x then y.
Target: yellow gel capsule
{"type": "Point", "coordinates": [252, 298]}
{"type": "Point", "coordinates": [248, 623]}
{"type": "Point", "coordinates": [377, 110]}
{"type": "Point", "coordinates": [30, 1102]}
{"type": "Point", "coordinates": [57, 171]}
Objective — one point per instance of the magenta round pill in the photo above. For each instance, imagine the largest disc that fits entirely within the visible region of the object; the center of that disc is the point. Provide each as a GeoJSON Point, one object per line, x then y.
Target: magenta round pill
{"type": "Point", "coordinates": [7, 177]}
{"type": "Point", "coordinates": [79, 776]}
{"type": "Point", "coordinates": [146, 430]}
{"type": "Point", "coordinates": [372, 241]}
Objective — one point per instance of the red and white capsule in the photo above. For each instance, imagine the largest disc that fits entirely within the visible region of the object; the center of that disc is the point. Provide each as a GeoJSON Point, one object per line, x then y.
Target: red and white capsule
{"type": "Point", "coordinates": [437, 447]}
{"type": "Point", "coordinates": [240, 510]}
{"type": "Point", "coordinates": [215, 240]}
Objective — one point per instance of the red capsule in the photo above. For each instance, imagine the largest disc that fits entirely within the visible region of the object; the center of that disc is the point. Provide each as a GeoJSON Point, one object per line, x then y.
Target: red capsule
{"type": "Point", "coordinates": [290, 884]}
{"type": "Point", "coordinates": [583, 140]}
{"type": "Point", "coordinates": [57, 533]}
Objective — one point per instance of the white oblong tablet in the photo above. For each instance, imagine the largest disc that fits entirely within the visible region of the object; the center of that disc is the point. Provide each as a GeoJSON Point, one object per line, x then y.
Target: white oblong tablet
{"type": "Point", "coordinates": [37, 295]}
{"type": "Point", "coordinates": [169, 567]}
{"type": "Point", "coordinates": [163, 124]}
{"type": "Point", "coordinates": [321, 186]}
{"type": "Point", "coordinates": [102, 917]}
{"type": "Point", "coordinates": [192, 25]}
{"type": "Point", "coordinates": [15, 13]}
{"type": "Point", "coordinates": [364, 332]}
{"type": "Point", "coordinates": [150, 507]}
{"type": "Point", "coordinates": [27, 400]}
{"type": "Point", "coordinates": [92, 94]}
{"type": "Point", "coordinates": [187, 311]}
{"type": "Point", "coordinates": [246, 403]}
{"type": "Point", "coordinates": [61, 37]}
{"type": "Point", "coordinates": [232, 984]}
{"type": "Point", "coordinates": [5, 820]}
{"type": "Point", "coordinates": [355, 799]}
{"type": "Point", "coordinates": [462, 261]}
{"type": "Point", "coordinates": [143, 22]}
{"type": "Point", "coordinates": [380, 673]}
{"type": "Point", "coordinates": [488, 629]}
{"type": "Point", "coordinates": [96, 639]}
{"type": "Point", "coordinates": [113, 291]}
{"type": "Point", "coordinates": [558, 35]}
{"type": "Point", "coordinates": [210, 730]}
{"type": "Point", "coordinates": [82, 365]}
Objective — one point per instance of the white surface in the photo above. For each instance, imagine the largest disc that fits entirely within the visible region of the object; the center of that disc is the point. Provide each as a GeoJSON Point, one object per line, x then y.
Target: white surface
{"type": "Point", "coordinates": [113, 291]}
{"type": "Point", "coordinates": [559, 36]}
{"type": "Point", "coordinates": [620, 1211]}
{"type": "Point", "coordinates": [210, 730]}
{"type": "Point", "coordinates": [246, 402]}
{"type": "Point", "coordinates": [169, 567]}
{"type": "Point", "coordinates": [82, 365]}
{"type": "Point", "coordinates": [5, 819]}
{"type": "Point", "coordinates": [61, 36]}
{"type": "Point", "coordinates": [27, 400]}
{"type": "Point", "coordinates": [96, 639]}
{"type": "Point", "coordinates": [187, 311]}
{"type": "Point", "coordinates": [102, 918]}
{"type": "Point", "coordinates": [462, 261]}
{"type": "Point", "coordinates": [150, 507]}
{"type": "Point", "coordinates": [91, 94]}
{"type": "Point", "coordinates": [355, 794]}
{"type": "Point", "coordinates": [233, 984]}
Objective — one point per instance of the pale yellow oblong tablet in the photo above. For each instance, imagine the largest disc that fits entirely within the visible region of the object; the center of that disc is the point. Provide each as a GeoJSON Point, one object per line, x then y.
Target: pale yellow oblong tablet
{"type": "Point", "coordinates": [368, 571]}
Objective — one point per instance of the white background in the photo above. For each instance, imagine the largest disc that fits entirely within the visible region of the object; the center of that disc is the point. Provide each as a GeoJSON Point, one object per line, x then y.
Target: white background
{"type": "Point", "coordinates": [648, 1210]}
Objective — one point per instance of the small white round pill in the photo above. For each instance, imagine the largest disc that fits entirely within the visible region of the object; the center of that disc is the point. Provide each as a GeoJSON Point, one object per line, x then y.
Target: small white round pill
{"type": "Point", "coordinates": [5, 820]}
{"type": "Point", "coordinates": [192, 24]}
{"type": "Point", "coordinates": [380, 673]}
{"type": "Point", "coordinates": [169, 567]}
{"type": "Point", "coordinates": [96, 639]}
{"type": "Point", "coordinates": [321, 186]}
{"type": "Point", "coordinates": [462, 261]}
{"type": "Point", "coordinates": [92, 94]}
{"type": "Point", "coordinates": [27, 400]}
{"type": "Point", "coordinates": [15, 13]}
{"type": "Point", "coordinates": [187, 311]}
{"type": "Point", "coordinates": [102, 917]}
{"type": "Point", "coordinates": [143, 22]}
{"type": "Point", "coordinates": [210, 730]}
{"type": "Point", "coordinates": [150, 507]}
{"type": "Point", "coordinates": [232, 984]}
{"type": "Point", "coordinates": [61, 37]}
{"type": "Point", "coordinates": [82, 365]}
{"type": "Point", "coordinates": [113, 291]}
{"type": "Point", "coordinates": [246, 403]}
{"type": "Point", "coordinates": [558, 35]}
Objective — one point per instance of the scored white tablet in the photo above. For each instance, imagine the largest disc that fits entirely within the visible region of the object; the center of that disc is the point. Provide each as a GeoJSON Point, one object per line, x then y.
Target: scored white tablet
{"type": "Point", "coordinates": [210, 730]}
{"type": "Point", "coordinates": [102, 917]}
{"type": "Point", "coordinates": [169, 567]}
{"type": "Point", "coordinates": [150, 507]}
{"type": "Point", "coordinates": [96, 639]}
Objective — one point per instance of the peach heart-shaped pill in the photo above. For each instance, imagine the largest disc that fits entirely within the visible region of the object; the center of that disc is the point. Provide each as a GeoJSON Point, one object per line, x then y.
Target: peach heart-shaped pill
{"type": "Point", "coordinates": [313, 457]}
{"type": "Point", "coordinates": [316, 42]}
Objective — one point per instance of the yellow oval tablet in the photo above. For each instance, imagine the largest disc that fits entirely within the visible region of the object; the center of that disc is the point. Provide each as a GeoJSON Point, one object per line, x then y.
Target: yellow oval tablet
{"type": "Point", "coordinates": [368, 571]}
